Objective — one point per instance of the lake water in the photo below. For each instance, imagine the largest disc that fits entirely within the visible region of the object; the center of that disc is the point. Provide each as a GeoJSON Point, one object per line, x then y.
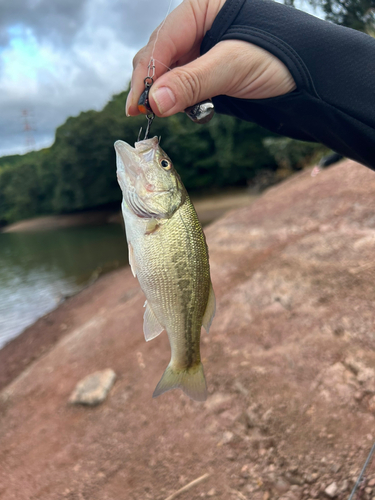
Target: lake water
{"type": "Point", "coordinates": [39, 269]}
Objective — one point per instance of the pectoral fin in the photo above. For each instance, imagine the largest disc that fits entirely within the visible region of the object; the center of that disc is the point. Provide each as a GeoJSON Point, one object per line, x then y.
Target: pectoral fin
{"type": "Point", "coordinates": [210, 310]}
{"type": "Point", "coordinates": [132, 259]}
{"type": "Point", "coordinates": [152, 226]}
{"type": "Point", "coordinates": [151, 326]}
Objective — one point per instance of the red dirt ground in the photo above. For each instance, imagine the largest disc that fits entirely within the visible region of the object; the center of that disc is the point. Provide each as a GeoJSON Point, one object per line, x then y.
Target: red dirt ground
{"type": "Point", "coordinates": [290, 365]}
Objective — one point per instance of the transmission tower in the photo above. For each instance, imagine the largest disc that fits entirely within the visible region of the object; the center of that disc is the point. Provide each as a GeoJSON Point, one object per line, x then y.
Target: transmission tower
{"type": "Point", "coordinates": [28, 129]}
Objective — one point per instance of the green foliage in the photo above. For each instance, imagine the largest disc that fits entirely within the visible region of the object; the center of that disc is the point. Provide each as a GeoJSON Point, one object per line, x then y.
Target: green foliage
{"type": "Point", "coordinates": [78, 171]}
{"type": "Point", "coordinates": [356, 14]}
{"type": "Point", "coordinates": [294, 155]}
{"type": "Point", "coordinates": [19, 192]}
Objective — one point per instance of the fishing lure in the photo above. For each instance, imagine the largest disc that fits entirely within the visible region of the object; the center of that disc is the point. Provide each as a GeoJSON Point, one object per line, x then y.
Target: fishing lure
{"type": "Point", "coordinates": [201, 113]}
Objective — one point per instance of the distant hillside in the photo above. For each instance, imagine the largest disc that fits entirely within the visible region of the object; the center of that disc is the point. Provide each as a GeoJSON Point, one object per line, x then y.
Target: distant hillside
{"type": "Point", "coordinates": [78, 171]}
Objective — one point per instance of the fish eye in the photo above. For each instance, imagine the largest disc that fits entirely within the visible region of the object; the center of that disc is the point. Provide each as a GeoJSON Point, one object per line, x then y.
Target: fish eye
{"type": "Point", "coordinates": [166, 164]}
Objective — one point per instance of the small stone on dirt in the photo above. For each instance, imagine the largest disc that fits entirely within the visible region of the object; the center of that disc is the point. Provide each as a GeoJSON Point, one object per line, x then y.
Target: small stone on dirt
{"type": "Point", "coordinates": [331, 490]}
{"type": "Point", "coordinates": [93, 389]}
{"type": "Point", "coordinates": [227, 437]}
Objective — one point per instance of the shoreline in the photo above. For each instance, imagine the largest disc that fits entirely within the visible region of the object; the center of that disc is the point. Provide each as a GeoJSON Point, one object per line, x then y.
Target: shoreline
{"type": "Point", "coordinates": [37, 339]}
{"type": "Point", "coordinates": [33, 342]}
{"type": "Point", "coordinates": [51, 222]}
{"type": "Point", "coordinates": [208, 207]}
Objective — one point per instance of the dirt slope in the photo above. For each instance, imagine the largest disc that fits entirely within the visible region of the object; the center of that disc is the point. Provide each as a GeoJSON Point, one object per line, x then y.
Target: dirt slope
{"type": "Point", "coordinates": [290, 364]}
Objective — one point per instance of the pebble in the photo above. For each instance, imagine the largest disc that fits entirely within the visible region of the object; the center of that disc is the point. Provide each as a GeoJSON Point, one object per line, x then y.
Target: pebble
{"type": "Point", "coordinates": [93, 389]}
{"type": "Point", "coordinates": [231, 455]}
{"type": "Point", "coordinates": [371, 404]}
{"type": "Point", "coordinates": [335, 468]}
{"type": "Point", "coordinates": [227, 437]}
{"type": "Point", "coordinates": [281, 485]}
{"type": "Point", "coordinates": [218, 402]}
{"type": "Point", "coordinates": [251, 419]}
{"type": "Point", "coordinates": [344, 485]}
{"type": "Point", "coordinates": [331, 490]}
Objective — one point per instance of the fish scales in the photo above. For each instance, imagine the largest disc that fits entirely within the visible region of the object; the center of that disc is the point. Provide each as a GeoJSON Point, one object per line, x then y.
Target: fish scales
{"type": "Point", "coordinates": [173, 268]}
{"type": "Point", "coordinates": [169, 256]}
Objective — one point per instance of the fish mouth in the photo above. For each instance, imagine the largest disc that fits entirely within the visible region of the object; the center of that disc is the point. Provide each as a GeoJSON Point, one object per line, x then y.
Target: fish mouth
{"type": "Point", "coordinates": [127, 159]}
{"type": "Point", "coordinates": [130, 174]}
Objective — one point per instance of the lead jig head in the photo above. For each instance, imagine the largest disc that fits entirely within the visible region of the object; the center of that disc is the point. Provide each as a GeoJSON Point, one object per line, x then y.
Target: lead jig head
{"type": "Point", "coordinates": [143, 102]}
{"type": "Point", "coordinates": [144, 106]}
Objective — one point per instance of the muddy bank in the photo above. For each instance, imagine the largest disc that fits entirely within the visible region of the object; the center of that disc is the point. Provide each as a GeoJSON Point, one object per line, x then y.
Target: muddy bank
{"type": "Point", "coordinates": [290, 365]}
{"type": "Point", "coordinates": [208, 208]}
{"type": "Point", "coordinates": [51, 222]}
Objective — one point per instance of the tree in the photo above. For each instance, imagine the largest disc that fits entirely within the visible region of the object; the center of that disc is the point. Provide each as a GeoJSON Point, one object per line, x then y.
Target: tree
{"type": "Point", "coordinates": [356, 14]}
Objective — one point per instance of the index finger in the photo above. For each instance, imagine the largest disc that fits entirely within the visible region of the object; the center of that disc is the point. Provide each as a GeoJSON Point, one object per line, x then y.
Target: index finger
{"type": "Point", "coordinates": [180, 36]}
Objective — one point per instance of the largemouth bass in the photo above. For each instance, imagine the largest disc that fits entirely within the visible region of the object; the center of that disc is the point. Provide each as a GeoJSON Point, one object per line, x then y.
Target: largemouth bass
{"type": "Point", "coordinates": [169, 256]}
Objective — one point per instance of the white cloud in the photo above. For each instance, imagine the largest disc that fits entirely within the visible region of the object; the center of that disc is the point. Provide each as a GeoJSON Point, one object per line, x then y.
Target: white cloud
{"type": "Point", "coordinates": [62, 57]}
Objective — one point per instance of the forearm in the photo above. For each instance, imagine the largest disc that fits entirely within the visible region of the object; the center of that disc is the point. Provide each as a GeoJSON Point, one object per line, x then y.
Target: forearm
{"type": "Point", "coordinates": [334, 102]}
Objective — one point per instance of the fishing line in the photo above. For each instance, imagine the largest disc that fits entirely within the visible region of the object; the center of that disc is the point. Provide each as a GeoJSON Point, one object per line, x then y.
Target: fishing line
{"type": "Point", "coordinates": [202, 112]}
{"type": "Point", "coordinates": [143, 102]}
{"type": "Point", "coordinates": [165, 66]}
{"type": "Point", "coordinates": [152, 60]}
{"type": "Point", "coordinates": [362, 472]}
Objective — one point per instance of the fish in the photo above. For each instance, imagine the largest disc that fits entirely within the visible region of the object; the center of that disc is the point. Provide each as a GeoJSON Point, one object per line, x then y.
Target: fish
{"type": "Point", "coordinates": [169, 256]}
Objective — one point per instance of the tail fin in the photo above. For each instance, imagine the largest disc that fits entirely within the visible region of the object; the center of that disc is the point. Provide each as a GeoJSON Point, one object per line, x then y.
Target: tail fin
{"type": "Point", "coordinates": [190, 380]}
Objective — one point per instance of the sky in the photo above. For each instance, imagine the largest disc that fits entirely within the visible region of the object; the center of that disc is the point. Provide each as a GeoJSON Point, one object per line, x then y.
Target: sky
{"type": "Point", "coordinates": [61, 57]}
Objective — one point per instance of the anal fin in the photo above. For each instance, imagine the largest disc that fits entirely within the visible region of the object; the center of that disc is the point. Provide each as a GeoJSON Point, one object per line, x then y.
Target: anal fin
{"type": "Point", "coordinates": [210, 310]}
{"type": "Point", "coordinates": [151, 326]}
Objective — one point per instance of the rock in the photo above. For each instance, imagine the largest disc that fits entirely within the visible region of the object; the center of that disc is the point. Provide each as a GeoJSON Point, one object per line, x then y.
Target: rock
{"type": "Point", "coordinates": [337, 382]}
{"type": "Point", "coordinates": [218, 402]}
{"type": "Point", "coordinates": [227, 437]}
{"type": "Point", "coordinates": [281, 486]}
{"type": "Point", "coordinates": [231, 455]}
{"type": "Point", "coordinates": [331, 490]}
{"type": "Point", "coordinates": [250, 418]}
{"type": "Point", "coordinates": [371, 404]}
{"type": "Point", "coordinates": [344, 486]}
{"type": "Point", "coordinates": [93, 389]}
{"type": "Point", "coordinates": [365, 375]}
{"type": "Point", "coordinates": [296, 479]}
{"type": "Point", "coordinates": [309, 478]}
{"type": "Point", "coordinates": [211, 493]}
{"type": "Point", "coordinates": [240, 388]}
{"type": "Point", "coordinates": [335, 468]}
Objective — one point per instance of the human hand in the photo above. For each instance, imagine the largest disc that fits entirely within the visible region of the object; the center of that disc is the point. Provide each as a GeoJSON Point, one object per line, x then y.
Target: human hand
{"type": "Point", "coordinates": [232, 67]}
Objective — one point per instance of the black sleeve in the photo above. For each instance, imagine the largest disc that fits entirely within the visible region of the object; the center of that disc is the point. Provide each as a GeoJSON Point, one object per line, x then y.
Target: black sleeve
{"type": "Point", "coordinates": [333, 67]}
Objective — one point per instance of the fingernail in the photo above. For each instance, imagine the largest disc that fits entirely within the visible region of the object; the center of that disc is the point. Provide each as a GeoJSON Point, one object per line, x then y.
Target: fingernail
{"type": "Point", "coordinates": [165, 99]}
{"type": "Point", "coordinates": [127, 105]}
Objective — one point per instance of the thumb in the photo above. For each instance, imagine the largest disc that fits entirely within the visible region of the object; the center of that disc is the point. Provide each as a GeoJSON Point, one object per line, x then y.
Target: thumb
{"type": "Point", "coordinates": [203, 78]}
